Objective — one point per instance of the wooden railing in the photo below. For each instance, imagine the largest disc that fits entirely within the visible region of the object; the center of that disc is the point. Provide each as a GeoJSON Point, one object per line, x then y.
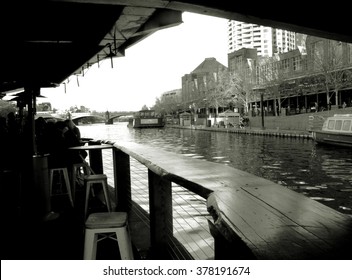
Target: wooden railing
{"type": "Point", "coordinates": [159, 188]}
{"type": "Point", "coordinates": [253, 218]}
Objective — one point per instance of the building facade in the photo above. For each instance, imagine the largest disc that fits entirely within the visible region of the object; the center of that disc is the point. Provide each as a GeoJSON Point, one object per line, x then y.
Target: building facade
{"type": "Point", "coordinates": [317, 77]}
{"type": "Point", "coordinates": [170, 100]}
{"type": "Point", "coordinates": [300, 81]}
{"type": "Point", "coordinates": [266, 40]}
{"type": "Point", "coordinates": [199, 86]}
{"type": "Point", "coordinates": [171, 96]}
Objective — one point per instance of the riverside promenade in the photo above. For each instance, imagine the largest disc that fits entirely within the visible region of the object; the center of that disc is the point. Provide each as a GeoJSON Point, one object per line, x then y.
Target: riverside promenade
{"type": "Point", "coordinates": [291, 126]}
{"type": "Point", "coordinates": [253, 131]}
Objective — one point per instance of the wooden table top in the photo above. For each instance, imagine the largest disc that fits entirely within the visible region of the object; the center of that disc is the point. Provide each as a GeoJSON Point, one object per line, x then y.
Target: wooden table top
{"type": "Point", "coordinates": [92, 147]}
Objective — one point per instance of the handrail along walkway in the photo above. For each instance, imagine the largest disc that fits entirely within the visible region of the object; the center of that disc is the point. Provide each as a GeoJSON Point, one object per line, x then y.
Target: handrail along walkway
{"type": "Point", "coordinates": [252, 216]}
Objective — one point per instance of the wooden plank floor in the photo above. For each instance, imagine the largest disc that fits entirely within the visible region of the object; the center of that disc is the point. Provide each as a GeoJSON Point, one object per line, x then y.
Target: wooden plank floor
{"type": "Point", "coordinates": [190, 215]}
{"type": "Point", "coordinates": [63, 238]}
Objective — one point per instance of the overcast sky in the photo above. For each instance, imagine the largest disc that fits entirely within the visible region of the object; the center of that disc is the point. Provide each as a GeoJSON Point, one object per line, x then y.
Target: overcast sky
{"type": "Point", "coordinates": [149, 68]}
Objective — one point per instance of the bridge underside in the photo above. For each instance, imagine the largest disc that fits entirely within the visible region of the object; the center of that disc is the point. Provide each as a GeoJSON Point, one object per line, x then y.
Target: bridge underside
{"type": "Point", "coordinates": [44, 42]}
{"type": "Point", "coordinates": [88, 120]}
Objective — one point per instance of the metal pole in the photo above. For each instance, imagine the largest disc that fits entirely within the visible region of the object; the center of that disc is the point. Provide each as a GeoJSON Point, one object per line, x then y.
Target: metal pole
{"type": "Point", "coordinates": [262, 108]}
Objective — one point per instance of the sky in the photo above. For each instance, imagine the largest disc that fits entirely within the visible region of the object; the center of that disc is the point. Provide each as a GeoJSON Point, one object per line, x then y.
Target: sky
{"type": "Point", "coordinates": [148, 69]}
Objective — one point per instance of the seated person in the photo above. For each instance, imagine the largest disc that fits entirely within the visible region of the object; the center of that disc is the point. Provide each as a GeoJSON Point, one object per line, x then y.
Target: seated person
{"type": "Point", "coordinates": [72, 138]}
{"type": "Point", "coordinates": [61, 138]}
{"type": "Point", "coordinates": [71, 125]}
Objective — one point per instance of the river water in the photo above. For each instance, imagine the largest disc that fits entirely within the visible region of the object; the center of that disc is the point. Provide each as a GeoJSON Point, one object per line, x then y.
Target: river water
{"type": "Point", "coordinates": [320, 172]}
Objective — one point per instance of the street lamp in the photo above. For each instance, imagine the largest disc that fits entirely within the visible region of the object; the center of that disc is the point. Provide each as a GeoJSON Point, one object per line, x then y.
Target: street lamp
{"type": "Point", "coordinates": [206, 105]}
{"type": "Point", "coordinates": [262, 107]}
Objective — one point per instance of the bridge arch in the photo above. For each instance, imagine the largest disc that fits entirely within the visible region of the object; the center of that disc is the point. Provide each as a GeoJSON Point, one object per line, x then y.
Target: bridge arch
{"type": "Point", "coordinates": [86, 118]}
{"type": "Point", "coordinates": [110, 120]}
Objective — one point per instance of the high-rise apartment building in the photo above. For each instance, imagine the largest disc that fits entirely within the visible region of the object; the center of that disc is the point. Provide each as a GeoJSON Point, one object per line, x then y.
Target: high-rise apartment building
{"type": "Point", "coordinates": [266, 40]}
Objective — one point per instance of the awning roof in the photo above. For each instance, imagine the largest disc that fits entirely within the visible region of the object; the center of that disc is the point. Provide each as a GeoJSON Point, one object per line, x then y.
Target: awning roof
{"type": "Point", "coordinates": [44, 42]}
{"type": "Point", "coordinates": [229, 113]}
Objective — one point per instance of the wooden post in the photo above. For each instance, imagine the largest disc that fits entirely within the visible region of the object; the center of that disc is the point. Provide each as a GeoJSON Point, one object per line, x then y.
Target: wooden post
{"type": "Point", "coordinates": [122, 179]}
{"type": "Point", "coordinates": [224, 249]}
{"type": "Point", "coordinates": [41, 183]}
{"type": "Point", "coordinates": [96, 158]}
{"type": "Point", "coordinates": [160, 207]}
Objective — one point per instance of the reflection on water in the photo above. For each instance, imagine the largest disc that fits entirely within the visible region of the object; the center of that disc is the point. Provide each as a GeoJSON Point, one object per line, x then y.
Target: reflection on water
{"type": "Point", "coordinates": [320, 172]}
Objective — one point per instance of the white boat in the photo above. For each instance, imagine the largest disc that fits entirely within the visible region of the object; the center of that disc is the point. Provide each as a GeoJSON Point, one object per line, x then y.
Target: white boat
{"type": "Point", "coordinates": [336, 130]}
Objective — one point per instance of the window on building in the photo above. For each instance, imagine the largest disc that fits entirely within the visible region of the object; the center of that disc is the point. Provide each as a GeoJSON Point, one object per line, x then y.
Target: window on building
{"type": "Point", "coordinates": [335, 53]}
{"type": "Point", "coordinates": [296, 63]}
{"type": "Point", "coordinates": [257, 77]}
{"type": "Point", "coordinates": [317, 54]}
{"type": "Point", "coordinates": [285, 65]}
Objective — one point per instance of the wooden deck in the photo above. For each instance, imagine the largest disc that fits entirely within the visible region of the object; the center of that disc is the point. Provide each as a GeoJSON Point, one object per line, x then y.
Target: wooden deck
{"type": "Point", "coordinates": [62, 239]}
{"type": "Point", "coordinates": [190, 215]}
{"type": "Point", "coordinates": [168, 197]}
{"type": "Point", "coordinates": [269, 220]}
{"type": "Point", "coordinates": [276, 223]}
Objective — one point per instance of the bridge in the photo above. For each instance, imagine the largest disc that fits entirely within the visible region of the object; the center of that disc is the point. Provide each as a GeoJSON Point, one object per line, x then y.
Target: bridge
{"type": "Point", "coordinates": [78, 118]}
{"type": "Point", "coordinates": [110, 120]}
{"type": "Point", "coordinates": [90, 118]}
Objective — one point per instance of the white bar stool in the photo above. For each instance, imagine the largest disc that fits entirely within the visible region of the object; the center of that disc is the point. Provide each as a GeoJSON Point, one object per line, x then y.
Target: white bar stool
{"type": "Point", "coordinates": [64, 172]}
{"type": "Point", "coordinates": [109, 225]}
{"type": "Point", "coordinates": [91, 179]}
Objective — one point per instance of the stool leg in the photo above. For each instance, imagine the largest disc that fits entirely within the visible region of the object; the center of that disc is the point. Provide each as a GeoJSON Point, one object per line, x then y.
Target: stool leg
{"type": "Point", "coordinates": [88, 186]}
{"type": "Point", "coordinates": [106, 194]}
{"type": "Point", "coordinates": [125, 245]}
{"type": "Point", "coordinates": [51, 181]}
{"type": "Point", "coordinates": [73, 181]}
{"type": "Point", "coordinates": [68, 185]}
{"type": "Point", "coordinates": [86, 170]}
{"type": "Point", "coordinates": [90, 245]}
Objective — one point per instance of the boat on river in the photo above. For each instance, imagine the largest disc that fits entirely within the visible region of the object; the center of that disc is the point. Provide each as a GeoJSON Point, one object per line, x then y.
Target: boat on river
{"type": "Point", "coordinates": [336, 130]}
{"type": "Point", "coordinates": [146, 119]}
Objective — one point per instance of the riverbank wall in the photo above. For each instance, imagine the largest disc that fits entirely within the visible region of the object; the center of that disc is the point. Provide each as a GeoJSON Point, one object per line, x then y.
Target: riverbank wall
{"type": "Point", "coordinates": [293, 126]}
{"type": "Point", "coordinates": [298, 122]}
{"type": "Point", "coordinates": [250, 130]}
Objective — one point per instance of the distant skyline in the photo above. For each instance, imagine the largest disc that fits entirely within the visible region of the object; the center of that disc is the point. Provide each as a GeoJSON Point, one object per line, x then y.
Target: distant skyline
{"type": "Point", "coordinates": [149, 68]}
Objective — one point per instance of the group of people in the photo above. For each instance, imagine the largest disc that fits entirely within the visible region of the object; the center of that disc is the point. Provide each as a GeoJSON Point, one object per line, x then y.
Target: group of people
{"type": "Point", "coordinates": [51, 137]}
{"type": "Point", "coordinates": [55, 139]}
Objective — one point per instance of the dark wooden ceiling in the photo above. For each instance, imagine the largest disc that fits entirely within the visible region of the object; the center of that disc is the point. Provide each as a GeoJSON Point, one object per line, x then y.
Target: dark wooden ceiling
{"type": "Point", "coordinates": [43, 42]}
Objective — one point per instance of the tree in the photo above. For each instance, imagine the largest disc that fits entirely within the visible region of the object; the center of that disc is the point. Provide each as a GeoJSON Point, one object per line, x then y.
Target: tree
{"type": "Point", "coordinates": [329, 66]}
{"type": "Point", "coordinates": [240, 88]}
{"type": "Point", "coordinates": [158, 106]}
{"type": "Point", "coordinates": [216, 96]}
{"type": "Point", "coordinates": [272, 74]}
{"type": "Point", "coordinates": [234, 88]}
{"type": "Point", "coordinates": [6, 107]}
